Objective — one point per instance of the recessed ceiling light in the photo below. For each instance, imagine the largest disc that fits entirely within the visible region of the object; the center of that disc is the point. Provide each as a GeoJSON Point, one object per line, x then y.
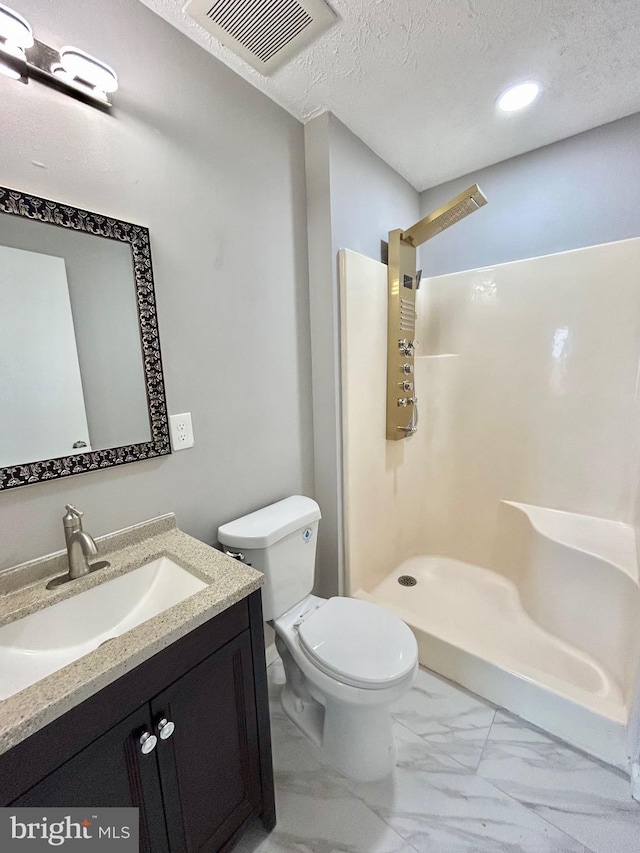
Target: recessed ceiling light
{"type": "Point", "coordinates": [519, 96]}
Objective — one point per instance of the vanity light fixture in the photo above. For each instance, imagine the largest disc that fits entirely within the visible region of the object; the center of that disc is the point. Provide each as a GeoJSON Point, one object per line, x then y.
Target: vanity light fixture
{"type": "Point", "coordinates": [68, 70]}
{"type": "Point", "coordinates": [8, 69]}
{"type": "Point", "coordinates": [79, 69]}
{"type": "Point", "coordinates": [519, 96]}
{"type": "Point", "coordinates": [15, 36]}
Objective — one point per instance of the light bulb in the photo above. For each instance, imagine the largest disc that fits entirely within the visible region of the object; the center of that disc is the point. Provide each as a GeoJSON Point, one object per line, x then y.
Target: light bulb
{"type": "Point", "coordinates": [14, 29]}
{"type": "Point", "coordinates": [13, 50]}
{"type": "Point", "coordinates": [79, 64]}
{"type": "Point", "coordinates": [76, 83]}
{"type": "Point", "coordinates": [519, 96]}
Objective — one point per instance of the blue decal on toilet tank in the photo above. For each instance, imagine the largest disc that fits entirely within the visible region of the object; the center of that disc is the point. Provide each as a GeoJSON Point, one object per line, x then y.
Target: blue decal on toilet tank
{"type": "Point", "coordinates": [308, 533]}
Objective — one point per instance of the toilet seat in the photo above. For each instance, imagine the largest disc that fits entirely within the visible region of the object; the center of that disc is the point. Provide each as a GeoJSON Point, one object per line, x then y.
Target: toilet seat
{"type": "Point", "coordinates": [358, 643]}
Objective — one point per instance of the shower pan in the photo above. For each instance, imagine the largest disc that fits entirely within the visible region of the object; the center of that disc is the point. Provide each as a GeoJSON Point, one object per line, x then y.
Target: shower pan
{"type": "Point", "coordinates": [504, 531]}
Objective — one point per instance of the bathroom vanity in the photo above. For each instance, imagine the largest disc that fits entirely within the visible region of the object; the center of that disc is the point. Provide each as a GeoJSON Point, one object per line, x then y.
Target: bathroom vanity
{"type": "Point", "coordinates": [170, 717]}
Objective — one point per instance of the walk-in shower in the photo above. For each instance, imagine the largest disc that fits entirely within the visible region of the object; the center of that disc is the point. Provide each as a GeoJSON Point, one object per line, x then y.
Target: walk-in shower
{"type": "Point", "coordinates": [515, 505]}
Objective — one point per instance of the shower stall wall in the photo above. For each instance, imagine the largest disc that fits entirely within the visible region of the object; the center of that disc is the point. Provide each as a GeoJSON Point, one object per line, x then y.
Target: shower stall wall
{"type": "Point", "coordinates": [513, 506]}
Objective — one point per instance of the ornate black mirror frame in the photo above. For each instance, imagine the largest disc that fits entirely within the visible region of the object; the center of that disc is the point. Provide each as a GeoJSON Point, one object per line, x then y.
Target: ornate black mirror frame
{"type": "Point", "coordinates": [65, 216]}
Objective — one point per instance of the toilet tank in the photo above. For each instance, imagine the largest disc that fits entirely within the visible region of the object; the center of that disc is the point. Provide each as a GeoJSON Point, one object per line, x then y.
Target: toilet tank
{"type": "Point", "coordinates": [280, 541]}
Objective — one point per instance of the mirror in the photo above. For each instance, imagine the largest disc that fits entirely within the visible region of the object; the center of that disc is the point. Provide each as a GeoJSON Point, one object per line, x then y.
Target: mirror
{"type": "Point", "coordinates": [81, 384]}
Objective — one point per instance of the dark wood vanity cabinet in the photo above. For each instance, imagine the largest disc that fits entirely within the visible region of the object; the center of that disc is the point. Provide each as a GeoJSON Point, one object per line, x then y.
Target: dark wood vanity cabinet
{"type": "Point", "coordinates": [210, 784]}
{"type": "Point", "coordinates": [109, 772]}
{"type": "Point", "coordinates": [198, 787]}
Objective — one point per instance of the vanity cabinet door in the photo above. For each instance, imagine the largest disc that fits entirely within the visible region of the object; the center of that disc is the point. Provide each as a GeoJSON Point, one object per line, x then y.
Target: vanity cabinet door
{"type": "Point", "coordinates": [112, 771]}
{"type": "Point", "coordinates": [210, 764]}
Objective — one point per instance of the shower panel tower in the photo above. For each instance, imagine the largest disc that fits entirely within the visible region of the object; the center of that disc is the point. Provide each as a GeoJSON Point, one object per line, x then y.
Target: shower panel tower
{"type": "Point", "coordinates": [403, 282]}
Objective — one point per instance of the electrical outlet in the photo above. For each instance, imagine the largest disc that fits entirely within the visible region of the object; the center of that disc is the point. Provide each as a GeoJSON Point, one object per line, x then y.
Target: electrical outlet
{"type": "Point", "coordinates": [181, 431]}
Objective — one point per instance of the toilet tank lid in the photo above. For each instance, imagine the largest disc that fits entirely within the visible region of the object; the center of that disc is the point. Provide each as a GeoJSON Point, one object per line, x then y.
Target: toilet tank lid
{"type": "Point", "coordinates": [266, 526]}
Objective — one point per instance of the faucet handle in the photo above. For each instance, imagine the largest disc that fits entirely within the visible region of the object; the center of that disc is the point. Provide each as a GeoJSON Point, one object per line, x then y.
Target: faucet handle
{"type": "Point", "coordinates": [72, 517]}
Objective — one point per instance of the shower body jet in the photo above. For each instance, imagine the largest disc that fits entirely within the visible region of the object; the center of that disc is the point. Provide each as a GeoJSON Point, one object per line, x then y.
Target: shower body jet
{"type": "Point", "coordinates": [403, 282]}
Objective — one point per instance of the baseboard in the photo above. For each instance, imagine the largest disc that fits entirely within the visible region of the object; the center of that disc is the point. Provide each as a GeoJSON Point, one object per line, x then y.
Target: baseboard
{"type": "Point", "coordinates": [271, 653]}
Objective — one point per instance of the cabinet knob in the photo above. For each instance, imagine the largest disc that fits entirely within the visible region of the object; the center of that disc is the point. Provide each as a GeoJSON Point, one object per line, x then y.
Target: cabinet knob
{"type": "Point", "coordinates": [166, 728]}
{"type": "Point", "coordinates": [148, 742]}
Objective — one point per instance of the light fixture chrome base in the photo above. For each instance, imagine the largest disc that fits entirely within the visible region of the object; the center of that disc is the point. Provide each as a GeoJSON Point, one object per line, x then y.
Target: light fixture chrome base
{"type": "Point", "coordinates": [38, 64]}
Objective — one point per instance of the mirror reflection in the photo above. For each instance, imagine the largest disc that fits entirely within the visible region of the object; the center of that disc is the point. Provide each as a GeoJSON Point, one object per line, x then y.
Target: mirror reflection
{"type": "Point", "coordinates": [72, 374]}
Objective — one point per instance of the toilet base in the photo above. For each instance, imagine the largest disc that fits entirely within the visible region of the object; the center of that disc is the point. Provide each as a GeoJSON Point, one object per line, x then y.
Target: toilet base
{"type": "Point", "coordinates": [356, 740]}
{"type": "Point", "coordinates": [307, 715]}
{"type": "Point", "coordinates": [353, 729]}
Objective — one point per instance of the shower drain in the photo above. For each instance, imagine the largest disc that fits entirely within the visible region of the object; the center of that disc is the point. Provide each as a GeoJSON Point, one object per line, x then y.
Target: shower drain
{"type": "Point", "coordinates": [407, 580]}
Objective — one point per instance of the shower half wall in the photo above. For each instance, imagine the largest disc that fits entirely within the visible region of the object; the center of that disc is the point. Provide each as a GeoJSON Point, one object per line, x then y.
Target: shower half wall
{"type": "Point", "coordinates": [513, 505]}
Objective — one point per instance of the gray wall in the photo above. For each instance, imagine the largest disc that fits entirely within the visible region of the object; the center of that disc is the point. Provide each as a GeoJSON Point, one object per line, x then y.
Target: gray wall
{"type": "Point", "coordinates": [216, 171]}
{"type": "Point", "coordinates": [354, 200]}
{"type": "Point", "coordinates": [577, 192]}
{"type": "Point", "coordinates": [368, 198]}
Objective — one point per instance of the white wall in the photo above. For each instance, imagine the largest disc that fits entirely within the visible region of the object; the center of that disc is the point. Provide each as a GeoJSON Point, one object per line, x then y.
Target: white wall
{"type": "Point", "coordinates": [354, 200]}
{"type": "Point", "coordinates": [578, 192]}
{"type": "Point", "coordinates": [216, 171]}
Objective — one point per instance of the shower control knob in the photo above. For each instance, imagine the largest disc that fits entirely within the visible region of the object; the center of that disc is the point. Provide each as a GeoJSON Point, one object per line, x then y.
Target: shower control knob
{"type": "Point", "coordinates": [407, 386]}
{"type": "Point", "coordinates": [407, 368]}
{"type": "Point", "coordinates": [403, 344]}
{"type": "Point", "coordinates": [409, 348]}
{"type": "Point", "coordinates": [411, 401]}
{"type": "Point", "coordinates": [402, 401]}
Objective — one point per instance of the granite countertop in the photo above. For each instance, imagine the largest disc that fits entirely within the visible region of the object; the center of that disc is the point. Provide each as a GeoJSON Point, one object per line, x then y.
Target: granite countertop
{"type": "Point", "coordinates": [23, 591]}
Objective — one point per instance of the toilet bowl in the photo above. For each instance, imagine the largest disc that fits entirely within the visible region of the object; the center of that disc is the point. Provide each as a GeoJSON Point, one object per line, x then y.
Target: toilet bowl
{"type": "Point", "coordinates": [345, 666]}
{"type": "Point", "coordinates": [346, 661]}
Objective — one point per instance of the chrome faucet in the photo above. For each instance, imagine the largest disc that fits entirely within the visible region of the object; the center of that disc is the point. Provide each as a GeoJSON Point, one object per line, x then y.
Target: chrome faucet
{"type": "Point", "coordinates": [80, 547]}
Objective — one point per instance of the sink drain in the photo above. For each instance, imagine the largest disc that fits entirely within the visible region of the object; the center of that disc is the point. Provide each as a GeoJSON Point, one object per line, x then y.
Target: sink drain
{"type": "Point", "coordinates": [407, 580]}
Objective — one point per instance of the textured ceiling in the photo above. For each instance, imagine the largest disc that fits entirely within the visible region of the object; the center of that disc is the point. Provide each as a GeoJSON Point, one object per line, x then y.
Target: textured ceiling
{"type": "Point", "coordinates": [417, 80]}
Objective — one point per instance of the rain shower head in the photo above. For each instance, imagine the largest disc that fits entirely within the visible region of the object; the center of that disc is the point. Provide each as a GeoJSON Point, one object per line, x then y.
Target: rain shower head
{"type": "Point", "coordinates": [453, 211]}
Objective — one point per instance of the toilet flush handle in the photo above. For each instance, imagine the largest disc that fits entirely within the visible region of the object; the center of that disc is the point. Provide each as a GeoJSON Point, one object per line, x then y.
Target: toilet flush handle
{"type": "Point", "coordinates": [237, 555]}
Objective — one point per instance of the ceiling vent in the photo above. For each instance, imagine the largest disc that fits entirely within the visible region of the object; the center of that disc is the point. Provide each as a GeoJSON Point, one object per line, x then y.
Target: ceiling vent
{"type": "Point", "coordinates": [265, 33]}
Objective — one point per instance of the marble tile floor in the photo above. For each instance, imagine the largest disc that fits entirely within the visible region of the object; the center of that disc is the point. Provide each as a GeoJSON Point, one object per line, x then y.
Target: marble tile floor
{"type": "Point", "coordinates": [469, 777]}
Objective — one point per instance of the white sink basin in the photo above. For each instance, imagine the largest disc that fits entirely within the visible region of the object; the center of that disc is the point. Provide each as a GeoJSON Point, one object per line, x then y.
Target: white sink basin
{"type": "Point", "coordinates": [43, 642]}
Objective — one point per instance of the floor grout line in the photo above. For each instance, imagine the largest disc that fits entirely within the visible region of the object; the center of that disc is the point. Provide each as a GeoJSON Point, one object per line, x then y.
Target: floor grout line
{"type": "Point", "coordinates": [486, 741]}
{"type": "Point", "coordinates": [469, 770]}
{"type": "Point", "coordinates": [532, 810]}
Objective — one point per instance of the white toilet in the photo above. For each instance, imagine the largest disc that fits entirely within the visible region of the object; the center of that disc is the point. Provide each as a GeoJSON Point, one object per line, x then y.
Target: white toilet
{"type": "Point", "coordinates": [346, 661]}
